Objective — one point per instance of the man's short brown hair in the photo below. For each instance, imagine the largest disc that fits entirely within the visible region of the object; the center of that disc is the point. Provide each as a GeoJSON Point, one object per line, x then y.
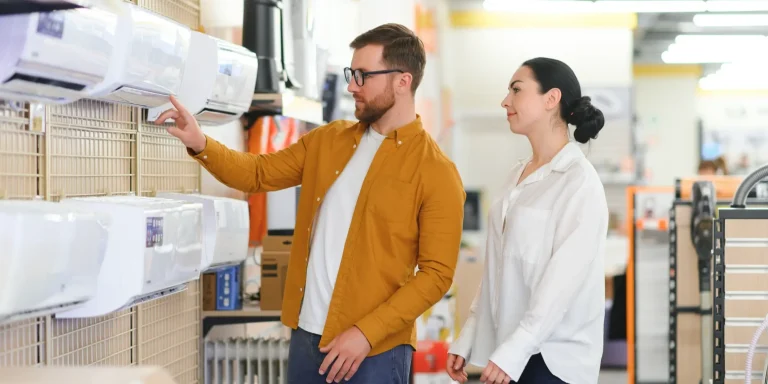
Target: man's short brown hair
{"type": "Point", "coordinates": [403, 50]}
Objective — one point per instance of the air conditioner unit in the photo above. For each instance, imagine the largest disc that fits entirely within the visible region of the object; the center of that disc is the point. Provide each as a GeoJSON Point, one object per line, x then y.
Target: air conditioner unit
{"type": "Point", "coordinates": [51, 257]}
{"type": "Point", "coordinates": [226, 228]}
{"type": "Point", "coordinates": [154, 249]}
{"type": "Point", "coordinates": [150, 66]}
{"type": "Point", "coordinates": [218, 83]}
{"type": "Point", "coordinates": [56, 57]}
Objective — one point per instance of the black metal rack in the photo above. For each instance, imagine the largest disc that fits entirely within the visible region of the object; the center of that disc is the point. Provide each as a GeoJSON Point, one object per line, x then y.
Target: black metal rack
{"type": "Point", "coordinates": [672, 341]}
{"type": "Point", "coordinates": [718, 307]}
{"type": "Point", "coordinates": [718, 317]}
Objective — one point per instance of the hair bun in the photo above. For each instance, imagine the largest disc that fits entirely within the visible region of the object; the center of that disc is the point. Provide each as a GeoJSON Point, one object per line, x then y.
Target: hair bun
{"type": "Point", "coordinates": [587, 119]}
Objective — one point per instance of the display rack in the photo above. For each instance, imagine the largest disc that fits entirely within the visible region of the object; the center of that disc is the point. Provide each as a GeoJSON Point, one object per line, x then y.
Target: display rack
{"type": "Point", "coordinates": [684, 311]}
{"type": "Point", "coordinates": [684, 297]}
{"type": "Point", "coordinates": [648, 220]}
{"type": "Point", "coordinates": [740, 300]}
{"type": "Point", "coordinates": [92, 148]}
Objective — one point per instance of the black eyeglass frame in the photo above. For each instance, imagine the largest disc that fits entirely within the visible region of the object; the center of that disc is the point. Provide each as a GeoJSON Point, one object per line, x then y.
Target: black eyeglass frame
{"type": "Point", "coordinates": [360, 81]}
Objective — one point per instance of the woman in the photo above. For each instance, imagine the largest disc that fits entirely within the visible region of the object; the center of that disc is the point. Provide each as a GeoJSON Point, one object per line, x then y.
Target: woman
{"type": "Point", "coordinates": [538, 315]}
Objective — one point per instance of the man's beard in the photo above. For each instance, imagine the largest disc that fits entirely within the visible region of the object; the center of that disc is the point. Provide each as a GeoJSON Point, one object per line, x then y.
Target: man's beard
{"type": "Point", "coordinates": [372, 111]}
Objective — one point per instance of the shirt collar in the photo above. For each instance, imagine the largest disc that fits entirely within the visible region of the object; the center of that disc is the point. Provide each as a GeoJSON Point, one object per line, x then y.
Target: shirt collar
{"type": "Point", "coordinates": [399, 135]}
{"type": "Point", "coordinates": [563, 160]}
{"type": "Point", "coordinates": [567, 156]}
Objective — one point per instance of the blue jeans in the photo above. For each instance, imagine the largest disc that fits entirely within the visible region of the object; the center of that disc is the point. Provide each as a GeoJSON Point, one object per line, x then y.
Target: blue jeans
{"type": "Point", "coordinates": [305, 358]}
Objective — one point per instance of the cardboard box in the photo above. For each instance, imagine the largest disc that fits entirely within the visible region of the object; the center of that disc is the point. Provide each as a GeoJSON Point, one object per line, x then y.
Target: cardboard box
{"type": "Point", "coordinates": [274, 270]}
{"type": "Point", "coordinates": [209, 291]}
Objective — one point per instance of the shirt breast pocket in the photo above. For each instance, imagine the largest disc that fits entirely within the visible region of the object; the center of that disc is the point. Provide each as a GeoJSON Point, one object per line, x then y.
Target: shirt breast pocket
{"type": "Point", "coordinates": [529, 230]}
{"type": "Point", "coordinates": [392, 200]}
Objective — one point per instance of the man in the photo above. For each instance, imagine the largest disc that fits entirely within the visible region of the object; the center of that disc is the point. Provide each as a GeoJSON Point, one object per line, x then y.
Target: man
{"type": "Point", "coordinates": [378, 199]}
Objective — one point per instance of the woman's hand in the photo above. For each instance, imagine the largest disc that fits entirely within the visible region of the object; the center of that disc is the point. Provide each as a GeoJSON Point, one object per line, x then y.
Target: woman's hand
{"type": "Point", "coordinates": [492, 374]}
{"type": "Point", "coordinates": [455, 368]}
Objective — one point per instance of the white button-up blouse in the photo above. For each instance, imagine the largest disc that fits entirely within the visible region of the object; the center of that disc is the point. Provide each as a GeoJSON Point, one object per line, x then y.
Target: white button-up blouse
{"type": "Point", "coordinates": [543, 288]}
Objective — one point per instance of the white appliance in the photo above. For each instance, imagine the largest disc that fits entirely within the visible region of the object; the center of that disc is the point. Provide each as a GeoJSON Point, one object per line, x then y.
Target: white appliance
{"type": "Point", "coordinates": [305, 48]}
{"type": "Point", "coordinates": [56, 57]}
{"type": "Point", "coordinates": [150, 64]}
{"type": "Point", "coordinates": [154, 249]}
{"type": "Point", "coordinates": [218, 81]}
{"type": "Point", "coordinates": [226, 228]}
{"type": "Point", "coordinates": [51, 257]}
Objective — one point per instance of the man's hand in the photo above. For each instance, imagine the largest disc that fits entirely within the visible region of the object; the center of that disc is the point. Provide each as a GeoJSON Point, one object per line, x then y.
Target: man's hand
{"type": "Point", "coordinates": [187, 129]}
{"type": "Point", "coordinates": [348, 350]}
{"type": "Point", "coordinates": [455, 368]}
{"type": "Point", "coordinates": [492, 374]}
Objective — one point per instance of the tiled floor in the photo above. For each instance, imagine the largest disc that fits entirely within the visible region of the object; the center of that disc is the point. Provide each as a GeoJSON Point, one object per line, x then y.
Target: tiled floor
{"type": "Point", "coordinates": [607, 377]}
{"type": "Point", "coordinates": [613, 377]}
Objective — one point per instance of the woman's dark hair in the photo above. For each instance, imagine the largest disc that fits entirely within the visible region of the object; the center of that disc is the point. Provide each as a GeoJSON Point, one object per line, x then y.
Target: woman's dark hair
{"type": "Point", "coordinates": [575, 109]}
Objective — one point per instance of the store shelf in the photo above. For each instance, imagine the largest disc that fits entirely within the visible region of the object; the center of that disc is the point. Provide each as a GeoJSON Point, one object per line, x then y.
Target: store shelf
{"type": "Point", "coordinates": [289, 104]}
{"type": "Point", "coordinates": [246, 315]}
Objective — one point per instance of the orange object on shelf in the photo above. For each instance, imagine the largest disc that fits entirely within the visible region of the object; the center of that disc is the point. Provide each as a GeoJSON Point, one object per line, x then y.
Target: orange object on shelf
{"type": "Point", "coordinates": [267, 134]}
{"type": "Point", "coordinates": [725, 186]}
{"type": "Point", "coordinates": [430, 356]}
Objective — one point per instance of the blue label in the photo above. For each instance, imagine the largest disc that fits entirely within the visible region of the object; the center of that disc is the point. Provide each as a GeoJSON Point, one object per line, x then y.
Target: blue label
{"type": "Point", "coordinates": [51, 24]}
{"type": "Point", "coordinates": [225, 69]}
{"type": "Point", "coordinates": [154, 231]}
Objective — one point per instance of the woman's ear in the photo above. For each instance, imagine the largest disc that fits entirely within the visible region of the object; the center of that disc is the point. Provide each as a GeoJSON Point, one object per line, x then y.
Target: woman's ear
{"type": "Point", "coordinates": [553, 98]}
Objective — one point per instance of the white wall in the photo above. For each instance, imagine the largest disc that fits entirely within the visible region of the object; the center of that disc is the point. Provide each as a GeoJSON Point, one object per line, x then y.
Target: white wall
{"type": "Point", "coordinates": [233, 136]}
{"type": "Point", "coordinates": [667, 123]}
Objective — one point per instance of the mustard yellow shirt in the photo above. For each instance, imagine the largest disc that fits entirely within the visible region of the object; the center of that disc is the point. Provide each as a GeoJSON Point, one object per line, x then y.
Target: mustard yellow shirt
{"type": "Point", "coordinates": [409, 214]}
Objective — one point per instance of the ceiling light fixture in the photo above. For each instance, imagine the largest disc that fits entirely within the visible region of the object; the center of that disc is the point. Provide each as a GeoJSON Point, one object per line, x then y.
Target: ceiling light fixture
{"type": "Point", "coordinates": [690, 49]}
{"type": "Point", "coordinates": [625, 6]}
{"type": "Point", "coordinates": [730, 20]}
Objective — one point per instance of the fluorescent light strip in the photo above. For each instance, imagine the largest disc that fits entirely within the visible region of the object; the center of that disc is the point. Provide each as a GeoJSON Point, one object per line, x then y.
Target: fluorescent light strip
{"type": "Point", "coordinates": [625, 6]}
{"type": "Point", "coordinates": [730, 20]}
{"type": "Point", "coordinates": [689, 49]}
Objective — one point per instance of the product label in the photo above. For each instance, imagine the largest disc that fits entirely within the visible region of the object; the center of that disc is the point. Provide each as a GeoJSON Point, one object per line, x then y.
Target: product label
{"type": "Point", "coordinates": [225, 69]}
{"type": "Point", "coordinates": [51, 24]}
{"type": "Point", "coordinates": [154, 231]}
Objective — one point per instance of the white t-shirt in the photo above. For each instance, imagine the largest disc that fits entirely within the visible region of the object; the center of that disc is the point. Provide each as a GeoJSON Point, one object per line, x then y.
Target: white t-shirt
{"type": "Point", "coordinates": [330, 233]}
{"type": "Point", "coordinates": [543, 290]}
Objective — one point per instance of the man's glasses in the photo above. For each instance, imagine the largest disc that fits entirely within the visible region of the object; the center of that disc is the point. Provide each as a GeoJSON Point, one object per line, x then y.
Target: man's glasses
{"type": "Point", "coordinates": [360, 75]}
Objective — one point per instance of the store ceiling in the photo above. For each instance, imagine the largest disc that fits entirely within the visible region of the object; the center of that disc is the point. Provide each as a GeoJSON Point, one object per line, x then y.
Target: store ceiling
{"type": "Point", "coordinates": [656, 31]}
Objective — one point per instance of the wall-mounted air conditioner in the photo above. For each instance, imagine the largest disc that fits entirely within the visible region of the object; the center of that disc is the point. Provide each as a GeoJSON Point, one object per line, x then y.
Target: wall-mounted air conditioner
{"type": "Point", "coordinates": [150, 66]}
{"type": "Point", "coordinates": [50, 259]}
{"type": "Point", "coordinates": [226, 228]}
{"type": "Point", "coordinates": [218, 82]}
{"type": "Point", "coordinates": [154, 249]}
{"type": "Point", "coordinates": [56, 57]}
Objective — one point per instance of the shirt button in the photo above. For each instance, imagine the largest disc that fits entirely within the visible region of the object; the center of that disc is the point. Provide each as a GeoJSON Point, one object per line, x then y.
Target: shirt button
{"type": "Point", "coordinates": [301, 289]}
{"type": "Point", "coordinates": [308, 229]}
{"type": "Point", "coordinates": [399, 143]}
{"type": "Point", "coordinates": [337, 172]}
{"type": "Point", "coordinates": [205, 157]}
{"type": "Point", "coordinates": [318, 199]}
{"type": "Point", "coordinates": [354, 145]}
